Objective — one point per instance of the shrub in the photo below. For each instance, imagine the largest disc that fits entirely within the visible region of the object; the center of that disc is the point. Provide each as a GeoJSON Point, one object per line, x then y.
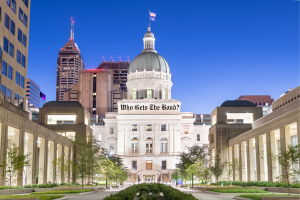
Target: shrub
{"type": "Point", "coordinates": [259, 196]}
{"type": "Point", "coordinates": [232, 190]}
{"type": "Point", "coordinates": [63, 191]}
{"type": "Point", "coordinates": [41, 197]}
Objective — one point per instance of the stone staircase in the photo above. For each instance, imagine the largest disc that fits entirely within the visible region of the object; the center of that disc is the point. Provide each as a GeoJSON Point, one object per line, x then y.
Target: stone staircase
{"type": "Point", "coordinates": [166, 178]}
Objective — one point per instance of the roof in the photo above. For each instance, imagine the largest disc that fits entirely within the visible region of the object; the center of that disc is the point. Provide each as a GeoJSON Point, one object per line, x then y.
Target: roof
{"type": "Point", "coordinates": [62, 104]}
{"type": "Point", "coordinates": [70, 47]}
{"type": "Point", "coordinates": [149, 61]}
{"type": "Point", "coordinates": [237, 103]}
{"type": "Point", "coordinates": [114, 65]}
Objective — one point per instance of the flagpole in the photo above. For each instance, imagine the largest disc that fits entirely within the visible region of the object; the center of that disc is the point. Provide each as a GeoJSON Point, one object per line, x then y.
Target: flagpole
{"type": "Point", "coordinates": [149, 18]}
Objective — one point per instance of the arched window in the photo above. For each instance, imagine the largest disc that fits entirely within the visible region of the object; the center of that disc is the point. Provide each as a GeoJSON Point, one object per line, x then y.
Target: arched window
{"type": "Point", "coordinates": [133, 93]}
{"type": "Point", "coordinates": [134, 145]}
{"type": "Point", "coordinates": [149, 92]}
{"type": "Point", "coordinates": [163, 93]}
{"type": "Point", "coordinates": [163, 145]}
{"type": "Point", "coordinates": [149, 145]}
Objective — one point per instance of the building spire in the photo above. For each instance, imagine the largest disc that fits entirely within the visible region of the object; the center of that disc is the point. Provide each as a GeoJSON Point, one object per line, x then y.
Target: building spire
{"type": "Point", "coordinates": [72, 29]}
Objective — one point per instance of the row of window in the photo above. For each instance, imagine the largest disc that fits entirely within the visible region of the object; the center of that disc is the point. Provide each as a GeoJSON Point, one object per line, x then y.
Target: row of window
{"type": "Point", "coordinates": [149, 165]}
{"type": "Point", "coordinates": [163, 127]}
{"type": "Point", "coordinates": [18, 100]}
{"type": "Point", "coordinates": [8, 47]}
{"type": "Point", "coordinates": [149, 93]}
{"type": "Point", "coordinates": [7, 71]}
{"type": "Point", "coordinates": [12, 4]}
{"type": "Point", "coordinates": [23, 17]}
{"type": "Point", "coordinates": [9, 24]}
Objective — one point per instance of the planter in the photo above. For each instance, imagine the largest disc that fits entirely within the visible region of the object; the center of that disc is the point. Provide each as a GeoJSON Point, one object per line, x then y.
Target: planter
{"type": "Point", "coordinates": [283, 190]}
{"type": "Point", "coordinates": [16, 191]}
{"type": "Point", "coordinates": [281, 198]}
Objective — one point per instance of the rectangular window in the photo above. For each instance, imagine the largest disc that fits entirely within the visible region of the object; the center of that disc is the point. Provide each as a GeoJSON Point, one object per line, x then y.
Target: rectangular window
{"type": "Point", "coordinates": [198, 137]}
{"type": "Point", "coordinates": [12, 27]}
{"type": "Point", "coordinates": [24, 40]}
{"type": "Point", "coordinates": [11, 49]}
{"type": "Point", "coordinates": [163, 127]}
{"type": "Point", "coordinates": [7, 19]}
{"type": "Point", "coordinates": [149, 164]}
{"type": "Point", "coordinates": [26, 3]}
{"type": "Point", "coordinates": [3, 89]}
{"type": "Point", "coordinates": [9, 72]}
{"type": "Point", "coordinates": [22, 82]}
{"type": "Point", "coordinates": [25, 20]}
{"type": "Point", "coordinates": [8, 2]}
{"type": "Point", "coordinates": [16, 99]}
{"type": "Point", "coordinates": [20, 35]}
{"type": "Point", "coordinates": [8, 94]}
{"type": "Point", "coordinates": [134, 127]}
{"type": "Point", "coordinates": [18, 56]}
{"type": "Point", "coordinates": [111, 130]}
{"type": "Point", "coordinates": [149, 127]}
{"type": "Point", "coordinates": [21, 100]}
{"type": "Point", "coordinates": [186, 130]}
{"type": "Point", "coordinates": [17, 78]}
{"type": "Point", "coordinates": [4, 68]}
{"type": "Point", "coordinates": [23, 60]}
{"type": "Point", "coordinates": [100, 138]}
{"type": "Point", "coordinates": [13, 5]}
{"type": "Point", "coordinates": [21, 14]}
{"type": "Point", "coordinates": [5, 44]}
{"type": "Point", "coordinates": [134, 165]}
{"type": "Point", "coordinates": [164, 165]}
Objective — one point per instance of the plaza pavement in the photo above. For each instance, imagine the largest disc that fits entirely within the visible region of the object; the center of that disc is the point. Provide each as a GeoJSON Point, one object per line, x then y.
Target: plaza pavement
{"type": "Point", "coordinates": [101, 194]}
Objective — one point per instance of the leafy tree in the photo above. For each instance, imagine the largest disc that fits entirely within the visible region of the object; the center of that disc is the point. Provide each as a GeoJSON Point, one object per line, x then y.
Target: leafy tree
{"type": "Point", "coordinates": [287, 158]}
{"type": "Point", "coordinates": [93, 151]}
{"type": "Point", "coordinates": [15, 162]}
{"type": "Point", "coordinates": [235, 165]}
{"type": "Point", "coordinates": [228, 169]}
{"type": "Point", "coordinates": [217, 166]}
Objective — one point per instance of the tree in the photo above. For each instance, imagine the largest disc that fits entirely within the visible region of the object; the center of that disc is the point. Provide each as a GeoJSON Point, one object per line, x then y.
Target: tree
{"type": "Point", "coordinates": [287, 158]}
{"type": "Point", "coordinates": [93, 151]}
{"type": "Point", "coordinates": [15, 162]}
{"type": "Point", "coordinates": [235, 165]}
{"type": "Point", "coordinates": [81, 158]}
{"type": "Point", "coordinates": [228, 169]}
{"type": "Point", "coordinates": [217, 167]}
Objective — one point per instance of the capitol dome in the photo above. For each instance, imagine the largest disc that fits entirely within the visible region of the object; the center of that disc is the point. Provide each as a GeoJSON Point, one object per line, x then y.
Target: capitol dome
{"type": "Point", "coordinates": [149, 60]}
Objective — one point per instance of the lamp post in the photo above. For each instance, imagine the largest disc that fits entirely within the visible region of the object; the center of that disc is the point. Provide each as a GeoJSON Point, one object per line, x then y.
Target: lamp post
{"type": "Point", "coordinates": [181, 169]}
{"type": "Point", "coordinates": [116, 177]}
{"type": "Point", "coordinates": [106, 173]}
{"type": "Point", "coordinates": [192, 173]}
{"type": "Point", "coordinates": [176, 178]}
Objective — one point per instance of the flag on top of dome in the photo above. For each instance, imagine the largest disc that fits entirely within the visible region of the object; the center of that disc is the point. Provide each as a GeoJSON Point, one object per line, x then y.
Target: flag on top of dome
{"type": "Point", "coordinates": [152, 16]}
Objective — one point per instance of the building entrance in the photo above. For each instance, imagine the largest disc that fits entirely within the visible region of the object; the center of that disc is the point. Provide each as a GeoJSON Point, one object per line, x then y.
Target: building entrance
{"type": "Point", "coordinates": [149, 178]}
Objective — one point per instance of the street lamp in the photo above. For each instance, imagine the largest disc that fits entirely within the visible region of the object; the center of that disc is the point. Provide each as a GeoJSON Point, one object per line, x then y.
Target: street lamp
{"type": "Point", "coordinates": [192, 173]}
{"type": "Point", "coordinates": [116, 177]}
{"type": "Point", "coordinates": [106, 173]}
{"type": "Point", "coordinates": [181, 169]}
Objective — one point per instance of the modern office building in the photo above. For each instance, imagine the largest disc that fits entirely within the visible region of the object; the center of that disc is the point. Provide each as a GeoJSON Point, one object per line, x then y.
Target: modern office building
{"type": "Point", "coordinates": [240, 132]}
{"type": "Point", "coordinates": [42, 99]}
{"type": "Point", "coordinates": [14, 37]}
{"type": "Point", "coordinates": [69, 62]}
{"type": "Point", "coordinates": [34, 95]}
{"type": "Point", "coordinates": [149, 130]}
{"type": "Point", "coordinates": [99, 90]}
{"type": "Point", "coordinates": [258, 100]}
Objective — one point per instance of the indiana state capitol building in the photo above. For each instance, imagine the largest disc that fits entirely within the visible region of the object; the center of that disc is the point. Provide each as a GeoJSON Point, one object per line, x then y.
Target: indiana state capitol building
{"type": "Point", "coordinates": [149, 130]}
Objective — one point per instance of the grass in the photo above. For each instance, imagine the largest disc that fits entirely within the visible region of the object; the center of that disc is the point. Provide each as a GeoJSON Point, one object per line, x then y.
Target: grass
{"type": "Point", "coordinates": [41, 197]}
{"type": "Point", "coordinates": [63, 191]}
{"type": "Point", "coordinates": [259, 196]}
{"type": "Point", "coordinates": [232, 190]}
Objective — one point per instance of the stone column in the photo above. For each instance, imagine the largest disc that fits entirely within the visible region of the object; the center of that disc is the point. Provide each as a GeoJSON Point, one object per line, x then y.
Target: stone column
{"type": "Point", "coordinates": [51, 156]}
{"type": "Point", "coordinates": [32, 150]}
{"type": "Point", "coordinates": [171, 141]}
{"type": "Point", "coordinates": [285, 140]}
{"type": "Point", "coordinates": [257, 158]}
{"type": "Point", "coordinates": [235, 155]}
{"type": "Point", "coordinates": [46, 161]}
{"type": "Point", "coordinates": [271, 152]}
{"type": "Point", "coordinates": [3, 148]}
{"type": "Point", "coordinates": [261, 158]}
{"type": "Point", "coordinates": [20, 176]}
{"type": "Point", "coordinates": [243, 161]}
{"type": "Point", "coordinates": [41, 160]}
{"type": "Point", "coordinates": [250, 160]}
{"type": "Point", "coordinates": [55, 157]}
{"type": "Point", "coordinates": [62, 177]}
{"type": "Point", "coordinates": [298, 134]}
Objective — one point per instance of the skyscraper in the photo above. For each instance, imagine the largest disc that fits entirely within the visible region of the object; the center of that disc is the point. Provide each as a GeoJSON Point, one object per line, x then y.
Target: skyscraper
{"type": "Point", "coordinates": [69, 62]}
{"type": "Point", "coordinates": [14, 35]}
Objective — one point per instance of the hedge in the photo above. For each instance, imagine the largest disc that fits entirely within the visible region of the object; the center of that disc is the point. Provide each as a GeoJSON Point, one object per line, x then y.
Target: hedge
{"type": "Point", "coordinates": [257, 184]}
{"type": "Point", "coordinates": [168, 191]}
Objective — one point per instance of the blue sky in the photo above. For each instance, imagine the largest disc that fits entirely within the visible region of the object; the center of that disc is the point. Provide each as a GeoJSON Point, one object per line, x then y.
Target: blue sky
{"type": "Point", "coordinates": [217, 50]}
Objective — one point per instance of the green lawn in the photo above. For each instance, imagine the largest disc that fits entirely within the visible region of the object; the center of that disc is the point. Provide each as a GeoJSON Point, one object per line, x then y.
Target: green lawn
{"type": "Point", "coordinates": [259, 196]}
{"type": "Point", "coordinates": [41, 197]}
{"type": "Point", "coordinates": [237, 190]}
{"type": "Point", "coordinates": [63, 191]}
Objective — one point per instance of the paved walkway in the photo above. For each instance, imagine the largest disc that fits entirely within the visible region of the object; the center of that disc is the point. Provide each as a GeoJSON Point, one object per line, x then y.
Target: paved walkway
{"type": "Point", "coordinates": [198, 194]}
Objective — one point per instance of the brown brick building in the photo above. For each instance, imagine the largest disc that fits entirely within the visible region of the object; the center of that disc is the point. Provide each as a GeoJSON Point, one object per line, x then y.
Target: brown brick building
{"type": "Point", "coordinates": [258, 100]}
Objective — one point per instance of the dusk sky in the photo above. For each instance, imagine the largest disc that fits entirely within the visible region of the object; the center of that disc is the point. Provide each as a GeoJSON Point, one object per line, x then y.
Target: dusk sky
{"type": "Point", "coordinates": [217, 50]}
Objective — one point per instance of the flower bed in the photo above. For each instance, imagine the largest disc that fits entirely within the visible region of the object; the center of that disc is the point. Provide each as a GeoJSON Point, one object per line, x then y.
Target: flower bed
{"type": "Point", "coordinates": [63, 191]}
{"type": "Point", "coordinates": [155, 189]}
{"type": "Point", "coordinates": [259, 196]}
{"type": "Point", "coordinates": [41, 197]}
{"type": "Point", "coordinates": [231, 190]}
